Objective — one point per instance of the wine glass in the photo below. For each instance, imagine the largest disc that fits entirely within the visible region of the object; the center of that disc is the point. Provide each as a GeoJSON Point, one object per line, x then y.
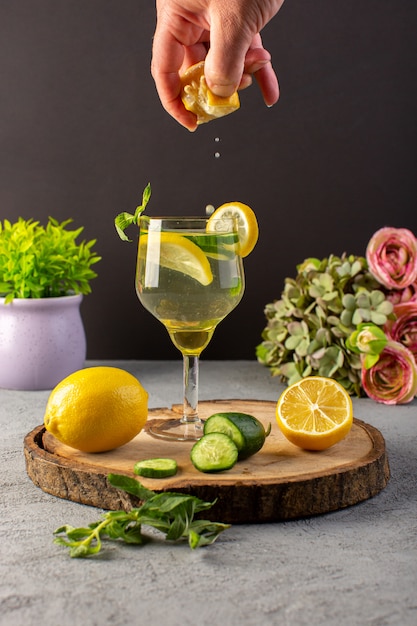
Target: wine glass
{"type": "Point", "coordinates": [189, 275]}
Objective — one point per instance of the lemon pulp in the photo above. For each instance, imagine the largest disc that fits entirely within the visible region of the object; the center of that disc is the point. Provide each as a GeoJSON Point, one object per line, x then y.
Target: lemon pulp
{"type": "Point", "coordinates": [315, 413]}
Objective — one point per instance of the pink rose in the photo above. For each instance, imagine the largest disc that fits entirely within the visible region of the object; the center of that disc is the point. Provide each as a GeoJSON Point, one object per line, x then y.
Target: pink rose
{"type": "Point", "coordinates": [408, 294]}
{"type": "Point", "coordinates": [404, 328]}
{"type": "Point", "coordinates": [392, 257]}
{"type": "Point", "coordinates": [393, 379]}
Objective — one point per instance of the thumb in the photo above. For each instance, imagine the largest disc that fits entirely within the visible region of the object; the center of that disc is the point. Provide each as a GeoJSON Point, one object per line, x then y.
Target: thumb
{"type": "Point", "coordinates": [225, 60]}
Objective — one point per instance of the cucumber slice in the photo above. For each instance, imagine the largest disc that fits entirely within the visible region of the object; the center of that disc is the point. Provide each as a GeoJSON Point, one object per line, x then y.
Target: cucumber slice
{"type": "Point", "coordinates": [223, 246]}
{"type": "Point", "coordinates": [214, 452]}
{"type": "Point", "coordinates": [247, 431]}
{"type": "Point", "coordinates": [156, 468]}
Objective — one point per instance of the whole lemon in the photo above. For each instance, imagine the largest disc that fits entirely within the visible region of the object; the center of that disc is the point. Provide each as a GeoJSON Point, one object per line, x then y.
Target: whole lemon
{"type": "Point", "coordinates": [97, 409]}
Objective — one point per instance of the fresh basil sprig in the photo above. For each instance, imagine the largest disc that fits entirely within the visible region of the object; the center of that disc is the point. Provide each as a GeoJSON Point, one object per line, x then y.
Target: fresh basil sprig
{"type": "Point", "coordinates": [123, 220]}
{"type": "Point", "coordinates": [169, 512]}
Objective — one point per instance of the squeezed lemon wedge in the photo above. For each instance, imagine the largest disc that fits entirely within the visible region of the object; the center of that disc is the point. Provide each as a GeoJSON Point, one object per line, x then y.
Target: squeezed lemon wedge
{"type": "Point", "coordinates": [199, 99]}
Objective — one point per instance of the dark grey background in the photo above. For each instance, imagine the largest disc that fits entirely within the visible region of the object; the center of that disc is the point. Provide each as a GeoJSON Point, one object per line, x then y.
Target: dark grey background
{"type": "Point", "coordinates": [82, 132]}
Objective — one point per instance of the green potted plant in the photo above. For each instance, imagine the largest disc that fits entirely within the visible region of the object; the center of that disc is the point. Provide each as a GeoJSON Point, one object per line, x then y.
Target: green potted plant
{"type": "Point", "coordinates": [44, 274]}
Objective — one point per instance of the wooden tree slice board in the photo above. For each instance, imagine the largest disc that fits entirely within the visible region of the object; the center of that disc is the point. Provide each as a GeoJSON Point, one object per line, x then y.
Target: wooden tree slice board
{"type": "Point", "coordinates": [280, 482]}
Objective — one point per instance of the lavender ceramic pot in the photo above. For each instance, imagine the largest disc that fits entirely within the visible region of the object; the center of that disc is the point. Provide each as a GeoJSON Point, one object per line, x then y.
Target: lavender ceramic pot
{"type": "Point", "coordinates": [41, 341]}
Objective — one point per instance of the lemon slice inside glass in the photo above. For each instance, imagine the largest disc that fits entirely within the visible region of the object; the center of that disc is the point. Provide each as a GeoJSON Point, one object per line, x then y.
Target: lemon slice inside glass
{"type": "Point", "coordinates": [177, 253]}
{"type": "Point", "coordinates": [247, 222]}
{"type": "Point", "coordinates": [315, 413]}
{"type": "Point", "coordinates": [197, 97]}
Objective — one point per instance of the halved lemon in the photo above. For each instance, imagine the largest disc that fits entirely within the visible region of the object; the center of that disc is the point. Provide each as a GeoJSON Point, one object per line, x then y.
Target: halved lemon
{"type": "Point", "coordinates": [315, 413]}
{"type": "Point", "coordinates": [248, 224]}
{"type": "Point", "coordinates": [197, 97]}
{"type": "Point", "coordinates": [176, 253]}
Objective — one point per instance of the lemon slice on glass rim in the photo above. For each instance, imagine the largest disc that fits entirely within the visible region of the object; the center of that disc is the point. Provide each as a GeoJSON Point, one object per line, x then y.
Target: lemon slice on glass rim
{"type": "Point", "coordinates": [247, 223]}
{"type": "Point", "coordinates": [315, 413]}
{"type": "Point", "coordinates": [177, 253]}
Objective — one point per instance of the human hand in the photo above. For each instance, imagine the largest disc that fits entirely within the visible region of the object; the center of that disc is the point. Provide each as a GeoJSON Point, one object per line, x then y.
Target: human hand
{"type": "Point", "coordinates": [226, 35]}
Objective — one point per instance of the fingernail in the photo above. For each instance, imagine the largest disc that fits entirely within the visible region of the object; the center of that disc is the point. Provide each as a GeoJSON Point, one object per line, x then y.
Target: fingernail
{"type": "Point", "coordinates": [259, 65]}
{"type": "Point", "coordinates": [224, 91]}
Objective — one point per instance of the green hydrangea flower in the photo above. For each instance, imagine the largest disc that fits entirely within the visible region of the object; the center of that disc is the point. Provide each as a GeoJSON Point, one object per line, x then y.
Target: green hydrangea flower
{"type": "Point", "coordinates": [311, 328]}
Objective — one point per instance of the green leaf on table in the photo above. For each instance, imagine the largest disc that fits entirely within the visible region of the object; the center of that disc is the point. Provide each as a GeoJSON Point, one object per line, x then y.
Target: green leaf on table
{"type": "Point", "coordinates": [130, 485]}
{"type": "Point", "coordinates": [170, 513]}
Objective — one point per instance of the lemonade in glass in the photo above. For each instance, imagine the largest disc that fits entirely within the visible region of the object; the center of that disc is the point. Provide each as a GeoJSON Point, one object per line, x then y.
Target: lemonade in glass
{"type": "Point", "coordinates": [189, 275]}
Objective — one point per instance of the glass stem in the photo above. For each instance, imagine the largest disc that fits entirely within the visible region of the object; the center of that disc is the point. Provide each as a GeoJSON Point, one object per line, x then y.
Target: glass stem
{"type": "Point", "coordinates": [190, 372]}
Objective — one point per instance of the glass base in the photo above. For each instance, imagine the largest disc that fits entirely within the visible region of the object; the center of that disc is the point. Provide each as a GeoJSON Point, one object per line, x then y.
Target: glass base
{"type": "Point", "coordinates": [176, 430]}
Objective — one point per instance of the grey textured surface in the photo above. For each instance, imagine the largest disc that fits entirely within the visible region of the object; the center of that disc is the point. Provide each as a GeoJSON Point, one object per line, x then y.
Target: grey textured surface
{"type": "Point", "coordinates": [357, 566]}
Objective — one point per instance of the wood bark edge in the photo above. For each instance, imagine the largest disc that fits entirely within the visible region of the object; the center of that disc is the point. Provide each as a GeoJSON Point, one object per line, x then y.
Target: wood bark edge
{"type": "Point", "coordinates": [238, 503]}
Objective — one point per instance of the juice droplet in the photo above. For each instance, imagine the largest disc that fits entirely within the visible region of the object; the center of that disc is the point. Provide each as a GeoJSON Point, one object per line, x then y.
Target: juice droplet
{"type": "Point", "coordinates": [217, 139]}
{"type": "Point", "coordinates": [217, 155]}
{"type": "Point", "coordinates": [209, 209]}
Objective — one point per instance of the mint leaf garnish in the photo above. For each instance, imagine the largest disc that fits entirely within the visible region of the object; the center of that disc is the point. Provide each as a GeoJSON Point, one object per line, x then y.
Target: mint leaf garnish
{"type": "Point", "coordinates": [124, 219]}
